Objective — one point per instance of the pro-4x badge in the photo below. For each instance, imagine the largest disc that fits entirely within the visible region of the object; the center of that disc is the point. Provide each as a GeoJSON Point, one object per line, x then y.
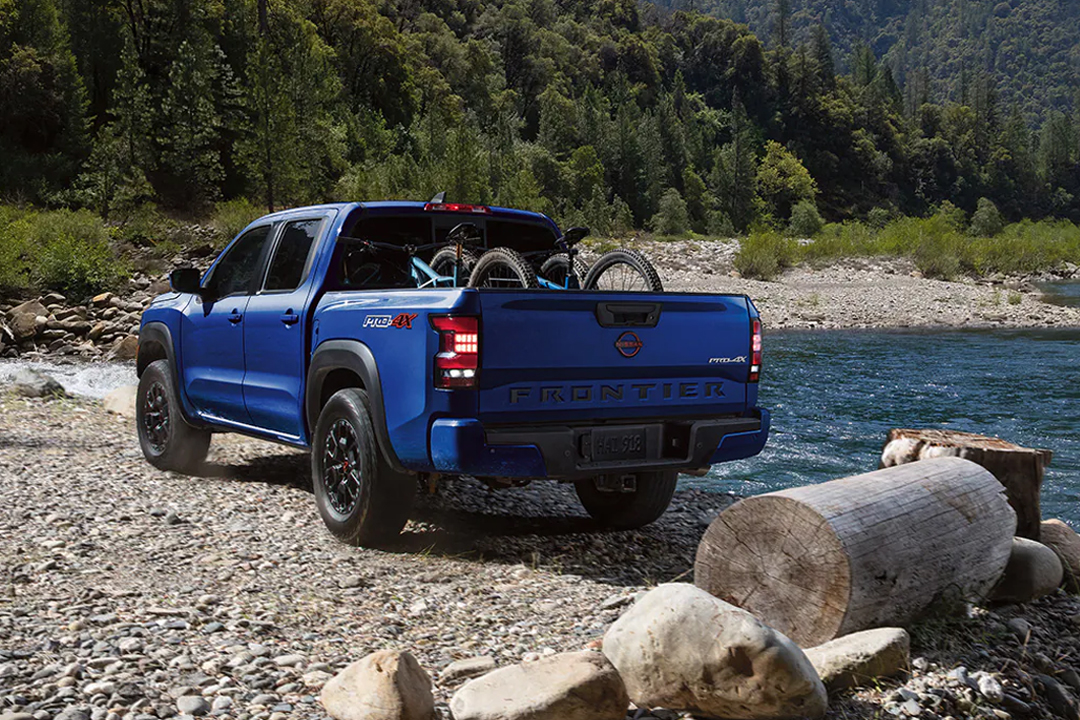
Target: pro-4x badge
{"type": "Point", "coordinates": [401, 320]}
{"type": "Point", "coordinates": [628, 344]}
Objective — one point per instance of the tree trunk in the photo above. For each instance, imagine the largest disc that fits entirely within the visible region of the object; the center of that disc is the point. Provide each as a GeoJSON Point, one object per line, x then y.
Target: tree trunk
{"type": "Point", "coordinates": [872, 550]}
{"type": "Point", "coordinates": [1019, 469]}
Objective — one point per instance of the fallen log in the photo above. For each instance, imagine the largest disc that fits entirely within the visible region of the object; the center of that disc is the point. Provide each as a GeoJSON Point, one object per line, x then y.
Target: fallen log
{"type": "Point", "coordinates": [1019, 469]}
{"type": "Point", "coordinates": [872, 550]}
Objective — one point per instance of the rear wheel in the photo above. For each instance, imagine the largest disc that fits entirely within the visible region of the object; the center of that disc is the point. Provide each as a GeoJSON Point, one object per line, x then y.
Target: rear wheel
{"type": "Point", "coordinates": [625, 270]}
{"type": "Point", "coordinates": [167, 441]}
{"type": "Point", "coordinates": [628, 510]}
{"type": "Point", "coordinates": [445, 260]}
{"type": "Point", "coordinates": [503, 268]}
{"type": "Point", "coordinates": [362, 500]}
{"type": "Point", "coordinates": [556, 268]}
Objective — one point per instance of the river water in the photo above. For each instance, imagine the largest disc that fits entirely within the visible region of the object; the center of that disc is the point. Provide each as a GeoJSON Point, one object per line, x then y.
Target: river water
{"type": "Point", "coordinates": [834, 396]}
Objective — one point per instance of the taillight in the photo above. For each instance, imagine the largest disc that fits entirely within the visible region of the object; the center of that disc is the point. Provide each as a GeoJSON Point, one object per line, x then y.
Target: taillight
{"type": "Point", "coordinates": [458, 363]}
{"type": "Point", "coordinates": [458, 208]}
{"type": "Point", "coordinates": [755, 351]}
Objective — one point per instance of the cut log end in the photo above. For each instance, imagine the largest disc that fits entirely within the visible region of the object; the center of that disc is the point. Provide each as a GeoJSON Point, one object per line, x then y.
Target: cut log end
{"type": "Point", "coordinates": [820, 561]}
{"type": "Point", "coordinates": [782, 560]}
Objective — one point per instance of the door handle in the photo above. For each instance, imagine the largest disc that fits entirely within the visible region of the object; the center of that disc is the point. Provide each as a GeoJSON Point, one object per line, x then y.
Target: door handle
{"type": "Point", "coordinates": [290, 318]}
{"type": "Point", "coordinates": [235, 317]}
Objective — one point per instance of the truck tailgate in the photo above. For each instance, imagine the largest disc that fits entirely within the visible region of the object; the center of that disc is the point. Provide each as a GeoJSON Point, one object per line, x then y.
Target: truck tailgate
{"type": "Point", "coordinates": [601, 356]}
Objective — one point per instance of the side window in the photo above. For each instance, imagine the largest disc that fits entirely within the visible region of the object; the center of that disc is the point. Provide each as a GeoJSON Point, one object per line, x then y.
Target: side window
{"type": "Point", "coordinates": [234, 272]}
{"type": "Point", "coordinates": [290, 257]}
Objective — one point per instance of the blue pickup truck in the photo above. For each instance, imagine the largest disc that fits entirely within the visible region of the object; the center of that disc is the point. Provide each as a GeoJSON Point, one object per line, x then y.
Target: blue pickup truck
{"type": "Point", "coordinates": [292, 336]}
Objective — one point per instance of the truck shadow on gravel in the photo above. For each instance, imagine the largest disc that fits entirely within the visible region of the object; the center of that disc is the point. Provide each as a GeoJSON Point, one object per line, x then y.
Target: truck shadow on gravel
{"type": "Point", "coordinates": [541, 526]}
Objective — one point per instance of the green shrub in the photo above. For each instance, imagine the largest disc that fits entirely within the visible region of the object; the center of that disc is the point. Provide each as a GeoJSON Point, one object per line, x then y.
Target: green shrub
{"type": "Point", "coordinates": [878, 218]}
{"type": "Point", "coordinates": [672, 218]}
{"type": "Point", "coordinates": [720, 225]}
{"type": "Point", "coordinates": [953, 215]}
{"type": "Point", "coordinates": [232, 216]}
{"type": "Point", "coordinates": [764, 254]}
{"type": "Point", "coordinates": [69, 252]}
{"type": "Point", "coordinates": [805, 220]}
{"type": "Point", "coordinates": [987, 221]}
{"type": "Point", "coordinates": [63, 250]}
{"type": "Point", "coordinates": [13, 240]}
{"type": "Point", "coordinates": [144, 226]}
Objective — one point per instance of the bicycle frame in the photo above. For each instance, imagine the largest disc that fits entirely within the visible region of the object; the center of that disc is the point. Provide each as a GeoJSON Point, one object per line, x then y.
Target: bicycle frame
{"type": "Point", "coordinates": [425, 277]}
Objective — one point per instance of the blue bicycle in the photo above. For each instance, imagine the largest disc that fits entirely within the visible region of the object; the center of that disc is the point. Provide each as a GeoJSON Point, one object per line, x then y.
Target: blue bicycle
{"type": "Point", "coordinates": [450, 266]}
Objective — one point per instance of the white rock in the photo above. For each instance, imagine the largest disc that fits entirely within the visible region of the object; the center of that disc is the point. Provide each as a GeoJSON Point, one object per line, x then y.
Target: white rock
{"type": "Point", "coordinates": [466, 668]}
{"type": "Point", "coordinates": [854, 659]}
{"type": "Point", "coordinates": [991, 689]}
{"type": "Point", "coordinates": [386, 685]}
{"type": "Point", "coordinates": [1033, 571]}
{"type": "Point", "coordinates": [289, 660]}
{"type": "Point", "coordinates": [569, 686]}
{"type": "Point", "coordinates": [121, 401]}
{"type": "Point", "coordinates": [681, 648]}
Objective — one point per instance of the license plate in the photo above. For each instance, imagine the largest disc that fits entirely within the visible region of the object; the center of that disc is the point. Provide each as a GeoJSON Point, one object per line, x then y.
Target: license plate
{"type": "Point", "coordinates": [618, 444]}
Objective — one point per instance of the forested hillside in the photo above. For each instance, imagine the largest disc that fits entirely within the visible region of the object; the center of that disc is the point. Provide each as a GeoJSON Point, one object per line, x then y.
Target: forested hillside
{"type": "Point", "coordinates": [1028, 49]}
{"type": "Point", "coordinates": [610, 113]}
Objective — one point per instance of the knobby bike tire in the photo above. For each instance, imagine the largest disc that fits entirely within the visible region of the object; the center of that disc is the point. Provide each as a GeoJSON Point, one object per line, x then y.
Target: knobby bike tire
{"type": "Point", "coordinates": [503, 268]}
{"type": "Point", "coordinates": [443, 261]}
{"type": "Point", "coordinates": [623, 270]}
{"type": "Point", "coordinates": [557, 267]}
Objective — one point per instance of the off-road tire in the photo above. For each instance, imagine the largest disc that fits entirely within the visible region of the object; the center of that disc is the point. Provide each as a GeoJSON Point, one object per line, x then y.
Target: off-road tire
{"type": "Point", "coordinates": [626, 511]}
{"type": "Point", "coordinates": [443, 261]}
{"type": "Point", "coordinates": [384, 497]}
{"type": "Point", "coordinates": [557, 267]}
{"type": "Point", "coordinates": [506, 265]}
{"type": "Point", "coordinates": [649, 279]}
{"type": "Point", "coordinates": [167, 441]}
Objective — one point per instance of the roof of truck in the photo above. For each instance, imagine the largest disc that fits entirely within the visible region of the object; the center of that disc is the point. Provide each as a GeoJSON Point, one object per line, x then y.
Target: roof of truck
{"type": "Point", "coordinates": [420, 207]}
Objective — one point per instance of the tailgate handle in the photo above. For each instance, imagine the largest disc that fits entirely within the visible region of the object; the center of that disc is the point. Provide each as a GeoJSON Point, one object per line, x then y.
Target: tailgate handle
{"type": "Point", "coordinates": [612, 314]}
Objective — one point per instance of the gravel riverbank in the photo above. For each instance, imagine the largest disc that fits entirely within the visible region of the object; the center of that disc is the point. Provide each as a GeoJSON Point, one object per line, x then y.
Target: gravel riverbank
{"type": "Point", "coordinates": [128, 588]}
{"type": "Point", "coordinates": [860, 292]}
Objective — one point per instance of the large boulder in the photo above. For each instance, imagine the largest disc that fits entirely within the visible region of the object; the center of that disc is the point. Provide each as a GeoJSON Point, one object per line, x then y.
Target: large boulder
{"type": "Point", "coordinates": [861, 657]}
{"type": "Point", "coordinates": [31, 383]}
{"type": "Point", "coordinates": [1033, 571]}
{"type": "Point", "coordinates": [1063, 540]}
{"type": "Point", "coordinates": [24, 319]}
{"type": "Point", "coordinates": [569, 686]}
{"type": "Point", "coordinates": [385, 685]}
{"type": "Point", "coordinates": [125, 348]}
{"type": "Point", "coordinates": [681, 648]}
{"type": "Point", "coordinates": [121, 401]}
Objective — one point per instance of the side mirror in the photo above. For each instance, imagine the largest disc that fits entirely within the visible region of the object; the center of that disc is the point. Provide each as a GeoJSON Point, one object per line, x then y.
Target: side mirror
{"type": "Point", "coordinates": [185, 280]}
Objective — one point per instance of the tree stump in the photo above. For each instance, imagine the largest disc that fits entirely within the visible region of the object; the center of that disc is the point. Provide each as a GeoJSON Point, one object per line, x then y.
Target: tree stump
{"type": "Point", "coordinates": [1019, 469]}
{"type": "Point", "coordinates": [872, 550]}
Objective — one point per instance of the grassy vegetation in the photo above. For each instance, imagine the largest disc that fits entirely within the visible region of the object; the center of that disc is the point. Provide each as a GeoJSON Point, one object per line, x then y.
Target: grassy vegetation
{"type": "Point", "coordinates": [63, 250]}
{"type": "Point", "coordinates": [940, 246]}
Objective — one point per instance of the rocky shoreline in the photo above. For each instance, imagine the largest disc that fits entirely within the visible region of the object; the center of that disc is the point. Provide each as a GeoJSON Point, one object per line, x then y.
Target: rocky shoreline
{"type": "Point", "coordinates": [852, 293]}
{"type": "Point", "coordinates": [863, 292]}
{"type": "Point", "coordinates": [134, 594]}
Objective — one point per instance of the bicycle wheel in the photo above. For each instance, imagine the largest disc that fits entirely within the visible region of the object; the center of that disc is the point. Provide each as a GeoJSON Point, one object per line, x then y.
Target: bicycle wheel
{"type": "Point", "coordinates": [445, 259]}
{"type": "Point", "coordinates": [503, 268]}
{"type": "Point", "coordinates": [623, 270]}
{"type": "Point", "coordinates": [557, 267]}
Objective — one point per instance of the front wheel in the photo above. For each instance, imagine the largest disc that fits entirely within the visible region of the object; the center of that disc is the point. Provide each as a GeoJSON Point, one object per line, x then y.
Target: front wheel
{"type": "Point", "coordinates": [445, 261]}
{"type": "Point", "coordinates": [167, 441]}
{"type": "Point", "coordinates": [625, 270]}
{"type": "Point", "coordinates": [628, 510]}
{"type": "Point", "coordinates": [503, 268]}
{"type": "Point", "coordinates": [362, 500]}
{"type": "Point", "coordinates": [556, 269]}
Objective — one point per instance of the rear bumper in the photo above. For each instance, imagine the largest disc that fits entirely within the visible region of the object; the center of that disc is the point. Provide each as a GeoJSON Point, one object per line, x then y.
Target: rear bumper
{"type": "Point", "coordinates": [465, 447]}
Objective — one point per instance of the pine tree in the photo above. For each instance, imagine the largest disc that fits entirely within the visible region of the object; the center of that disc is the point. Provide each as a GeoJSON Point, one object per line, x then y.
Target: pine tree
{"type": "Point", "coordinates": [190, 159]}
{"type": "Point", "coordinates": [734, 169]}
{"type": "Point", "coordinates": [823, 54]}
